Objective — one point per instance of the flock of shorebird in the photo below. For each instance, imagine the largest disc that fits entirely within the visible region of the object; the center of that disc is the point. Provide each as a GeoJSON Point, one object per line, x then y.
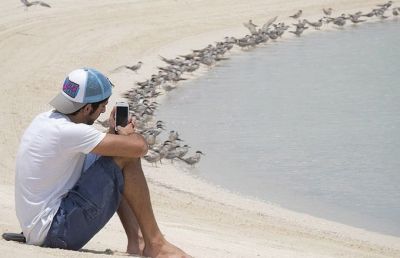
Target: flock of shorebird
{"type": "Point", "coordinates": [141, 98]}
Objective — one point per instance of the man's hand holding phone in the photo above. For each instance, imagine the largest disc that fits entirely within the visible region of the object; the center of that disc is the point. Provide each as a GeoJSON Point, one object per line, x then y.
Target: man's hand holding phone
{"type": "Point", "coordinates": [127, 130]}
{"type": "Point", "coordinates": [120, 121]}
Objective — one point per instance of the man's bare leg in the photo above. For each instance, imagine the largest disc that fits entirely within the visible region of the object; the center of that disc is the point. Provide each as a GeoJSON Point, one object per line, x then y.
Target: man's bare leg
{"type": "Point", "coordinates": [137, 195]}
{"type": "Point", "coordinates": [131, 226]}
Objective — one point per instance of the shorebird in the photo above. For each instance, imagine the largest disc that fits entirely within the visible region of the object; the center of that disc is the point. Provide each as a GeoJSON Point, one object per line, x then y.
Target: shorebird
{"type": "Point", "coordinates": [182, 150]}
{"type": "Point", "coordinates": [145, 83]}
{"type": "Point", "coordinates": [146, 116]}
{"type": "Point", "coordinates": [316, 25]}
{"type": "Point", "coordinates": [231, 40]}
{"type": "Point", "coordinates": [251, 26]}
{"type": "Point", "coordinates": [28, 4]}
{"type": "Point", "coordinates": [194, 159]}
{"type": "Point", "coordinates": [193, 67]}
{"type": "Point", "coordinates": [171, 146]}
{"type": "Point", "coordinates": [280, 28]}
{"type": "Point", "coordinates": [339, 21]}
{"type": "Point", "coordinates": [299, 31]}
{"type": "Point", "coordinates": [328, 11]}
{"type": "Point", "coordinates": [207, 48]}
{"type": "Point", "coordinates": [150, 138]}
{"type": "Point", "coordinates": [165, 148]}
{"type": "Point", "coordinates": [266, 25]}
{"type": "Point", "coordinates": [395, 11]}
{"type": "Point", "coordinates": [355, 18]}
{"type": "Point", "coordinates": [261, 38]}
{"type": "Point", "coordinates": [219, 57]}
{"type": "Point", "coordinates": [176, 61]}
{"type": "Point", "coordinates": [153, 157]}
{"type": "Point", "coordinates": [247, 41]}
{"type": "Point", "coordinates": [296, 15]}
{"type": "Point", "coordinates": [172, 154]}
{"type": "Point", "coordinates": [159, 123]}
{"type": "Point", "coordinates": [155, 131]}
{"type": "Point", "coordinates": [134, 67]}
{"type": "Point", "coordinates": [370, 14]}
{"type": "Point", "coordinates": [207, 60]}
{"type": "Point", "coordinates": [189, 56]}
{"type": "Point", "coordinates": [168, 87]}
{"type": "Point", "coordinates": [387, 5]}
{"type": "Point", "coordinates": [300, 24]}
{"type": "Point", "coordinates": [273, 34]}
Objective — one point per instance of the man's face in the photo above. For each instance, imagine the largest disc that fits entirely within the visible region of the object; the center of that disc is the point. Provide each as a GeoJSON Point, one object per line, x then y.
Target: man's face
{"type": "Point", "coordinates": [94, 115]}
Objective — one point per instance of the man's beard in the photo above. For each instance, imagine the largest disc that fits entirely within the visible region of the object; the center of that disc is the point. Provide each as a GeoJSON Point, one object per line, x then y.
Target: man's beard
{"type": "Point", "coordinates": [90, 121]}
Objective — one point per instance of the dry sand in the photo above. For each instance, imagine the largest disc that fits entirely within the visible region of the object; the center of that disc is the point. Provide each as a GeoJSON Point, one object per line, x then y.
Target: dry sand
{"type": "Point", "coordinates": [39, 46]}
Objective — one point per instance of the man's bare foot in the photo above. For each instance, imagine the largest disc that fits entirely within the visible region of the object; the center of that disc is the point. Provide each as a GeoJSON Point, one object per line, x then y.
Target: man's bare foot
{"type": "Point", "coordinates": [164, 249]}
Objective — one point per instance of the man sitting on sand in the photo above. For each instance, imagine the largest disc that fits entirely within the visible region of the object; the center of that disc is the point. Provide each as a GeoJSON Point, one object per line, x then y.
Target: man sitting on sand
{"type": "Point", "coordinates": [71, 178]}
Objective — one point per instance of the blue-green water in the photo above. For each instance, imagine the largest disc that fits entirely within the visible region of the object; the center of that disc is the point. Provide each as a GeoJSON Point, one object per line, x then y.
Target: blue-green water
{"type": "Point", "coordinates": [311, 124]}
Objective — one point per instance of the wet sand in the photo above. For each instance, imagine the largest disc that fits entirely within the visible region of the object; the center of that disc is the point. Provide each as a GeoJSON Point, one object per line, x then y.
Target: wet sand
{"type": "Point", "coordinates": [39, 46]}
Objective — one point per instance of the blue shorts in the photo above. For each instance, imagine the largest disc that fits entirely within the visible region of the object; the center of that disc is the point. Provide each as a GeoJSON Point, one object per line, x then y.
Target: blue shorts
{"type": "Point", "coordinates": [88, 206]}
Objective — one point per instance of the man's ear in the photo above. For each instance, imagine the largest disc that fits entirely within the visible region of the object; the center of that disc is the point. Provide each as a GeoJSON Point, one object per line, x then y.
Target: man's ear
{"type": "Point", "coordinates": [87, 109]}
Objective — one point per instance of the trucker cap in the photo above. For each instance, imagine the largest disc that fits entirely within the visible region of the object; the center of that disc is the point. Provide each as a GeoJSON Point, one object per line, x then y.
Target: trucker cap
{"type": "Point", "coordinates": [81, 87]}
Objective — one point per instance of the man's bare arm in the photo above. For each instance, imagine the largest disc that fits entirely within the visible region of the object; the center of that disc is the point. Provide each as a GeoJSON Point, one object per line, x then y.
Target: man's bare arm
{"type": "Point", "coordinates": [130, 146]}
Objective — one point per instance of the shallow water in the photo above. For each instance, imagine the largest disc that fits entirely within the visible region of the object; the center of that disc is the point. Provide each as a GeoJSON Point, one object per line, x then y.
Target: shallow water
{"type": "Point", "coordinates": [311, 124]}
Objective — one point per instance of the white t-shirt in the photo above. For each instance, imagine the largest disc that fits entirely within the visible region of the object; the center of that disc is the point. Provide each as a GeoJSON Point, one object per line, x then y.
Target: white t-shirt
{"type": "Point", "coordinates": [49, 162]}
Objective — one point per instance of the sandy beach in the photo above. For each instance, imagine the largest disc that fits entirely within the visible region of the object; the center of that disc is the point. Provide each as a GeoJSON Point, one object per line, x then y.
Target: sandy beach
{"type": "Point", "coordinates": [40, 46]}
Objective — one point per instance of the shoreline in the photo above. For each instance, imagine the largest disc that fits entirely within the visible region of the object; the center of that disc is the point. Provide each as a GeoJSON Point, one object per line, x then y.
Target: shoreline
{"type": "Point", "coordinates": [237, 52]}
{"type": "Point", "coordinates": [202, 219]}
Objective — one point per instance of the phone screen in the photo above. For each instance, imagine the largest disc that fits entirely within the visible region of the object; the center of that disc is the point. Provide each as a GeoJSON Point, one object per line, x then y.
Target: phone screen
{"type": "Point", "coordinates": [121, 116]}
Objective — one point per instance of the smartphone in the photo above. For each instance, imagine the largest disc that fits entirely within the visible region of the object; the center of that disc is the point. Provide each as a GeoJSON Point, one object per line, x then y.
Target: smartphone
{"type": "Point", "coordinates": [121, 114]}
